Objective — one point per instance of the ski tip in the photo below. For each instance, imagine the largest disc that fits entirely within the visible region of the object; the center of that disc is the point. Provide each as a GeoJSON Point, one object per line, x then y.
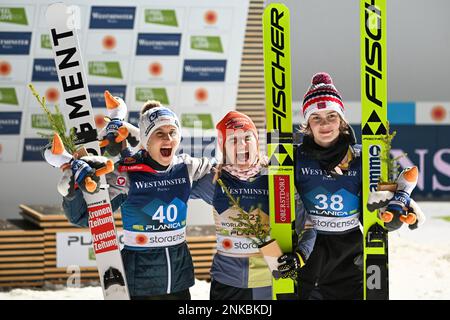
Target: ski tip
{"type": "Point", "coordinates": [54, 9]}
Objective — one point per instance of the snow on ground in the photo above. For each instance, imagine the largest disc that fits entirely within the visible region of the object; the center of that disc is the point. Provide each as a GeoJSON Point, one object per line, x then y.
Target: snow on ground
{"type": "Point", "coordinates": [419, 264]}
{"type": "Point", "coordinates": [419, 260]}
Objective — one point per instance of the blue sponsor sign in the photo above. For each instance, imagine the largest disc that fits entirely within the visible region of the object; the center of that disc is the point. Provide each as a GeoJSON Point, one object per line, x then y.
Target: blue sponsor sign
{"type": "Point", "coordinates": [133, 118]}
{"type": "Point", "coordinates": [158, 44]}
{"type": "Point", "coordinates": [97, 94]}
{"type": "Point", "coordinates": [44, 70]}
{"type": "Point", "coordinates": [15, 42]}
{"type": "Point", "coordinates": [402, 112]}
{"type": "Point", "coordinates": [10, 122]}
{"type": "Point", "coordinates": [32, 149]}
{"type": "Point", "coordinates": [112, 17]}
{"type": "Point", "coordinates": [204, 70]}
{"type": "Point", "coordinates": [428, 148]}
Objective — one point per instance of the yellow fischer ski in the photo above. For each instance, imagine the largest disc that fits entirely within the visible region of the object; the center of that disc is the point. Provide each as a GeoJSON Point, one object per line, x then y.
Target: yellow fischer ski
{"type": "Point", "coordinates": [373, 126]}
{"type": "Point", "coordinates": [277, 75]}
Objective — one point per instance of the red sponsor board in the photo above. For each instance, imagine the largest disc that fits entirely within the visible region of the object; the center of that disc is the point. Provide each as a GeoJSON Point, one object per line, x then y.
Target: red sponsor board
{"type": "Point", "coordinates": [101, 223]}
{"type": "Point", "coordinates": [281, 185]}
{"type": "Point", "coordinates": [136, 167]}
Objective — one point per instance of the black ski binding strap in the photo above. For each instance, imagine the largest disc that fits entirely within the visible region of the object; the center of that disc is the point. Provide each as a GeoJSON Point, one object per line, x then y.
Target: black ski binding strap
{"type": "Point", "coordinates": [376, 236]}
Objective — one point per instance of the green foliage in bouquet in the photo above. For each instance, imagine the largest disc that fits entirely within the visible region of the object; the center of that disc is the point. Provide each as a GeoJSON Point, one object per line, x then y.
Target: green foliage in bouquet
{"type": "Point", "coordinates": [247, 225]}
{"type": "Point", "coordinates": [392, 163]}
{"type": "Point", "coordinates": [57, 124]}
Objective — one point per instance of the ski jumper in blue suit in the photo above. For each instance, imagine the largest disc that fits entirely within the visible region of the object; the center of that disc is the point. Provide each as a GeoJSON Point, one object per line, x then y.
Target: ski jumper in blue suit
{"type": "Point", "coordinates": [333, 201]}
{"type": "Point", "coordinates": [153, 203]}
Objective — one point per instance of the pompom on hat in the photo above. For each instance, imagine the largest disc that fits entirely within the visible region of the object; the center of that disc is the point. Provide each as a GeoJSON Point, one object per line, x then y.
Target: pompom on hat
{"type": "Point", "coordinates": [322, 95]}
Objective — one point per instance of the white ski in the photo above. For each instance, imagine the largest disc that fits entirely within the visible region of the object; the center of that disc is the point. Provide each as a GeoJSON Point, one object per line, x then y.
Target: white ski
{"type": "Point", "coordinates": [78, 112]}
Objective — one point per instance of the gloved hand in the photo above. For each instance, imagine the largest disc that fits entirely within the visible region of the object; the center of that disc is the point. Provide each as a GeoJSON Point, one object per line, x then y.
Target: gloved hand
{"type": "Point", "coordinates": [84, 175]}
{"type": "Point", "coordinates": [114, 133]}
{"type": "Point", "coordinates": [88, 169]}
{"type": "Point", "coordinates": [395, 205]}
{"type": "Point", "coordinates": [392, 213]}
{"type": "Point", "coordinates": [290, 264]}
{"type": "Point", "coordinates": [86, 172]}
{"type": "Point", "coordinates": [420, 216]}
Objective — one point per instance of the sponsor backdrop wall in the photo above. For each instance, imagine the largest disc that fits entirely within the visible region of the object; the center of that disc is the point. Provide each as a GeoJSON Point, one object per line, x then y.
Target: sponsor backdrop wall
{"type": "Point", "coordinates": [186, 54]}
{"type": "Point", "coordinates": [151, 49]}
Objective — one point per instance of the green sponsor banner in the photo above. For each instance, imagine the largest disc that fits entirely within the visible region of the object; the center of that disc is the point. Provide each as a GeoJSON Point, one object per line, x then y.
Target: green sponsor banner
{"type": "Point", "coordinates": [45, 41]}
{"type": "Point", "coordinates": [207, 43]}
{"type": "Point", "coordinates": [13, 15]}
{"type": "Point", "coordinates": [163, 17]}
{"type": "Point", "coordinates": [193, 120]}
{"type": "Point", "coordinates": [160, 94]}
{"type": "Point", "coordinates": [40, 121]}
{"type": "Point", "coordinates": [109, 69]}
{"type": "Point", "coordinates": [8, 96]}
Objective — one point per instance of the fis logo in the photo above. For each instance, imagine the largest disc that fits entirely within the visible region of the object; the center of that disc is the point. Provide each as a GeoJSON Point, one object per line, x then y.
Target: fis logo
{"type": "Point", "coordinates": [201, 95]}
{"type": "Point", "coordinates": [109, 42]}
{"type": "Point", "coordinates": [52, 94]}
{"type": "Point", "coordinates": [438, 113]}
{"type": "Point", "coordinates": [5, 68]}
{"type": "Point", "coordinates": [155, 69]}
{"type": "Point", "coordinates": [210, 17]}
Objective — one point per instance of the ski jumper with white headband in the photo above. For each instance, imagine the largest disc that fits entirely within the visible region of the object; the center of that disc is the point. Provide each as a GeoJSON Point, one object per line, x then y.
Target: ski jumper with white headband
{"type": "Point", "coordinates": [239, 271]}
{"type": "Point", "coordinates": [152, 195]}
{"type": "Point", "coordinates": [328, 179]}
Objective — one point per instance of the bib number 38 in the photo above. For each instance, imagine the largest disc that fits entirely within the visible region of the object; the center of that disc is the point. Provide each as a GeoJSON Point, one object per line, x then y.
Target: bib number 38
{"type": "Point", "coordinates": [334, 202]}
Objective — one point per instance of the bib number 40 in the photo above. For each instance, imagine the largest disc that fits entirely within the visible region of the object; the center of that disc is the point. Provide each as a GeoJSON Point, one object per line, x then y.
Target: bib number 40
{"type": "Point", "coordinates": [166, 214]}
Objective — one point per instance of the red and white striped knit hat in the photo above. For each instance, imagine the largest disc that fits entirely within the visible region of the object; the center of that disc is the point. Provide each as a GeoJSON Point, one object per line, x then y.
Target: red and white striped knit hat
{"type": "Point", "coordinates": [322, 95]}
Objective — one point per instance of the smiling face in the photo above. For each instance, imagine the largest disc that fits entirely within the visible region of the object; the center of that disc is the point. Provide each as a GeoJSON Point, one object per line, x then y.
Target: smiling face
{"type": "Point", "coordinates": [162, 144]}
{"type": "Point", "coordinates": [241, 148]}
{"type": "Point", "coordinates": [325, 127]}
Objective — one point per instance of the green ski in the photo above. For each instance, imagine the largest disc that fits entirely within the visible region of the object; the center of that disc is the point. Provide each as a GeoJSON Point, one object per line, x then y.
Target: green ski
{"type": "Point", "coordinates": [373, 126]}
{"type": "Point", "coordinates": [277, 75]}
